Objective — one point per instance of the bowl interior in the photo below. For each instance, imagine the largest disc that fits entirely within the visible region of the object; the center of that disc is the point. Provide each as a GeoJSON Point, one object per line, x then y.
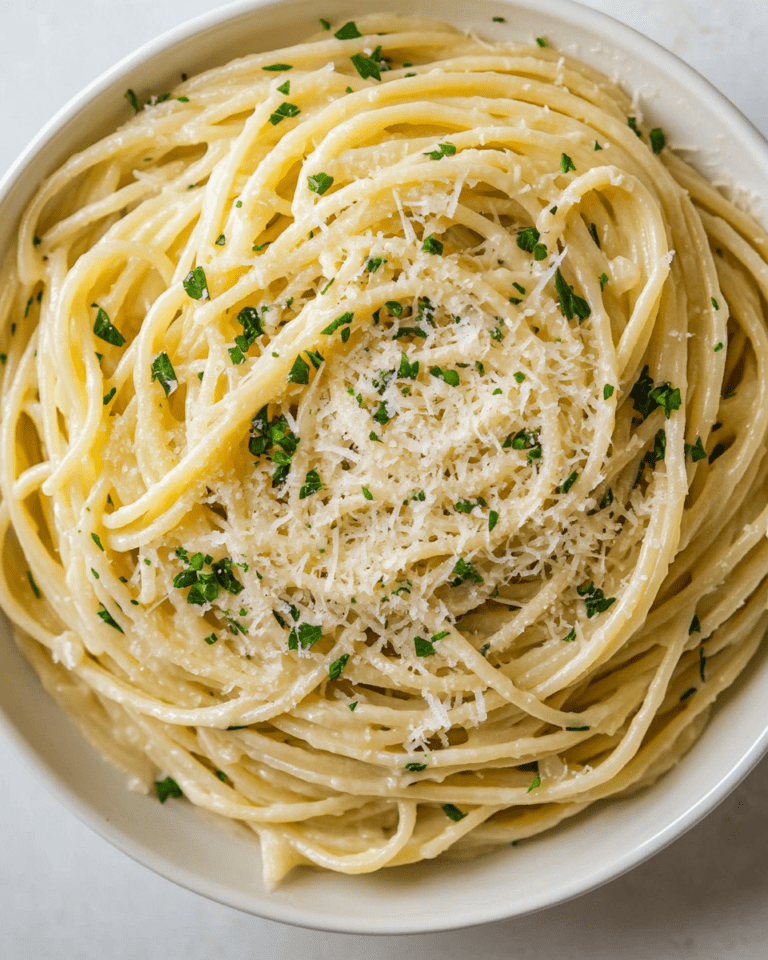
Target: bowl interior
{"type": "Point", "coordinates": [222, 861]}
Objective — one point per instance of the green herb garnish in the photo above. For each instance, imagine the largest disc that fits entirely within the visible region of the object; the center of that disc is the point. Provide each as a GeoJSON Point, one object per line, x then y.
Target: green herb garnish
{"type": "Point", "coordinates": [166, 789]}
{"type": "Point", "coordinates": [162, 371]}
{"type": "Point", "coordinates": [196, 285]}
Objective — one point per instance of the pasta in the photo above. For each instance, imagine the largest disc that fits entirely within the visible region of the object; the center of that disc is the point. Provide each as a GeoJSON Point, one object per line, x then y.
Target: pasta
{"type": "Point", "coordinates": [384, 444]}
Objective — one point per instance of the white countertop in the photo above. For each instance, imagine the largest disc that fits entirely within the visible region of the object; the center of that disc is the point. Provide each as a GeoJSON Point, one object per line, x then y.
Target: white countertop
{"type": "Point", "coordinates": [66, 893]}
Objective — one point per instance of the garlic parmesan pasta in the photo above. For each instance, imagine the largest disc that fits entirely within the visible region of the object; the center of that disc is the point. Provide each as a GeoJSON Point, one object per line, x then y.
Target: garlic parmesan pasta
{"type": "Point", "coordinates": [384, 444]}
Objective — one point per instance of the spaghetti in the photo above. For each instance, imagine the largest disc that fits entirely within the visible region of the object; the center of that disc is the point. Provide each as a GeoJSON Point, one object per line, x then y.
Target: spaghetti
{"type": "Point", "coordinates": [367, 410]}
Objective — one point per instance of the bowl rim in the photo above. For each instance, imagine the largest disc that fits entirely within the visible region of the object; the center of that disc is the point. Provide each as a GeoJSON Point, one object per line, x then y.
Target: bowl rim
{"type": "Point", "coordinates": [629, 41]}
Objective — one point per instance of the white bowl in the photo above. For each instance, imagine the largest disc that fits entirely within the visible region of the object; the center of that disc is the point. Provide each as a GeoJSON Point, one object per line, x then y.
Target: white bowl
{"type": "Point", "coordinates": [218, 859]}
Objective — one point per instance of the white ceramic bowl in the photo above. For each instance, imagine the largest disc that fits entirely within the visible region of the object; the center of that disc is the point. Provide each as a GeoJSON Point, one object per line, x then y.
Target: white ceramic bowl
{"type": "Point", "coordinates": [218, 859]}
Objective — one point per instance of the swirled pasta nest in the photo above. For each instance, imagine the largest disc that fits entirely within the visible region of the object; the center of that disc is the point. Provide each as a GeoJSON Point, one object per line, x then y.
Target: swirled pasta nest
{"type": "Point", "coordinates": [368, 409]}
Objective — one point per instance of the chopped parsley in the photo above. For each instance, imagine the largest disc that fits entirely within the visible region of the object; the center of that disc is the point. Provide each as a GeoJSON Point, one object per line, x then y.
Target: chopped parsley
{"type": "Point", "coordinates": [211, 639]}
{"type": "Point", "coordinates": [465, 571]}
{"type": "Point", "coordinates": [443, 150]}
{"type": "Point", "coordinates": [608, 391]}
{"type": "Point", "coordinates": [343, 320]}
{"type": "Point", "coordinates": [278, 67]}
{"type": "Point", "coordinates": [570, 304]}
{"type": "Point", "coordinates": [594, 599]}
{"type": "Point", "coordinates": [266, 435]}
{"type": "Point", "coordinates": [107, 617]}
{"type": "Point", "coordinates": [593, 234]}
{"type": "Point", "coordinates": [373, 436]}
{"type": "Point", "coordinates": [431, 245]}
{"type": "Point", "coordinates": [324, 24]}
{"type": "Point", "coordinates": [450, 377]}
{"type": "Point", "coordinates": [348, 32]}
{"type": "Point", "coordinates": [108, 396]}
{"type": "Point", "coordinates": [105, 330]}
{"type": "Point", "coordinates": [131, 97]}
{"type": "Point", "coordinates": [467, 506]}
{"type": "Point", "coordinates": [493, 519]}
{"type": "Point", "coordinates": [524, 440]}
{"type": "Point", "coordinates": [34, 586]}
{"type": "Point", "coordinates": [570, 636]}
{"type": "Point", "coordinates": [535, 783]}
{"type": "Point", "coordinates": [566, 485]}
{"type": "Point", "coordinates": [251, 321]}
{"type": "Point", "coordinates": [646, 397]}
{"type": "Point", "coordinates": [166, 789]}
{"type": "Point", "coordinates": [319, 183]}
{"type": "Point", "coordinates": [542, 41]}
{"type": "Point", "coordinates": [312, 484]}
{"type": "Point", "coordinates": [196, 285]}
{"type": "Point", "coordinates": [97, 540]}
{"type": "Point", "coordinates": [407, 370]}
{"type": "Point", "coordinates": [414, 766]}
{"type": "Point", "coordinates": [221, 240]}
{"type": "Point", "coordinates": [528, 240]}
{"type": "Point", "coordinates": [299, 372]}
{"type": "Point", "coordinates": [305, 636]}
{"type": "Point", "coordinates": [337, 667]}
{"type": "Point", "coordinates": [366, 66]}
{"type": "Point", "coordinates": [374, 263]}
{"type": "Point", "coordinates": [719, 346]}
{"type": "Point", "coordinates": [424, 648]}
{"type": "Point", "coordinates": [566, 163]}
{"type": "Point", "coordinates": [604, 278]}
{"type": "Point", "coordinates": [162, 371]}
{"type": "Point", "coordinates": [285, 87]}
{"type": "Point", "coordinates": [367, 493]}
{"type": "Point", "coordinates": [453, 812]}
{"type": "Point", "coordinates": [696, 450]}
{"type": "Point", "coordinates": [658, 140]}
{"type": "Point", "coordinates": [284, 110]}
{"type": "Point", "coordinates": [632, 124]}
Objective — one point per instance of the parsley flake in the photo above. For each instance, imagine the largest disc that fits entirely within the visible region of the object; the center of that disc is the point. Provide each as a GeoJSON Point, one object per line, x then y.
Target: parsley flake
{"type": "Point", "coordinates": [105, 330]}
{"type": "Point", "coordinates": [319, 183]}
{"type": "Point", "coordinates": [443, 150]}
{"type": "Point", "coordinates": [450, 377]}
{"type": "Point", "coordinates": [311, 485]}
{"type": "Point", "coordinates": [566, 485]}
{"type": "Point", "coordinates": [162, 371]}
{"type": "Point", "coordinates": [594, 599]}
{"type": "Point", "coordinates": [465, 571]}
{"type": "Point", "coordinates": [348, 32]}
{"type": "Point", "coordinates": [453, 812]}
{"type": "Point", "coordinates": [566, 163]}
{"type": "Point", "coordinates": [196, 285]}
{"type": "Point", "coordinates": [658, 140]}
{"type": "Point", "coordinates": [431, 245]}
{"type": "Point", "coordinates": [570, 304]}
{"type": "Point", "coordinates": [337, 667]}
{"type": "Point", "coordinates": [166, 789]}
{"type": "Point", "coordinates": [278, 67]}
{"type": "Point", "coordinates": [284, 110]}
{"type": "Point", "coordinates": [366, 66]}
{"type": "Point", "coordinates": [107, 617]}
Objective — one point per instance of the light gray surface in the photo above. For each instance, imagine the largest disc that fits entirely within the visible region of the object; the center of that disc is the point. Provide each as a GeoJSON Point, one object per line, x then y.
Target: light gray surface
{"type": "Point", "coordinates": [65, 893]}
